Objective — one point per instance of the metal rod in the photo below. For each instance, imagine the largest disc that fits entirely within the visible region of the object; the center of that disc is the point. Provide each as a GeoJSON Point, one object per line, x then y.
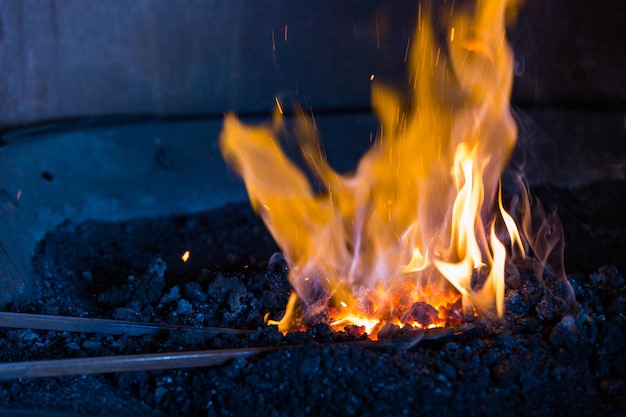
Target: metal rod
{"type": "Point", "coordinates": [127, 363]}
{"type": "Point", "coordinates": [193, 359]}
{"type": "Point", "coordinates": [95, 325]}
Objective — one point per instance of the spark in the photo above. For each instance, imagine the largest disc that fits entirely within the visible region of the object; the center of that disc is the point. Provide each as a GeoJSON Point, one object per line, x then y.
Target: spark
{"type": "Point", "coordinates": [280, 108]}
{"type": "Point", "coordinates": [419, 17]}
{"type": "Point", "coordinates": [274, 50]}
{"type": "Point", "coordinates": [313, 119]}
{"type": "Point", "coordinates": [185, 256]}
{"type": "Point", "coordinates": [273, 42]}
{"type": "Point", "coordinates": [372, 77]}
{"type": "Point", "coordinates": [19, 194]}
{"type": "Point", "coordinates": [452, 34]}
{"type": "Point", "coordinates": [286, 32]}
{"type": "Point", "coordinates": [406, 52]}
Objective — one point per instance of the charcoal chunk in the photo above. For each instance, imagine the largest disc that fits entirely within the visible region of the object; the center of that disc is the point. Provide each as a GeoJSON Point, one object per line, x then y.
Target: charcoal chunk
{"type": "Point", "coordinates": [193, 291]}
{"type": "Point", "coordinates": [423, 313]}
{"type": "Point", "coordinates": [184, 307]}
{"type": "Point", "coordinates": [172, 296]}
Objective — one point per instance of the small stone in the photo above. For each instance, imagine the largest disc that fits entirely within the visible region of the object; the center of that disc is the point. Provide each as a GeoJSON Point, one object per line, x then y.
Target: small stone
{"type": "Point", "coordinates": [150, 286]}
{"type": "Point", "coordinates": [171, 296]}
{"type": "Point", "coordinates": [148, 312]}
{"type": "Point", "coordinates": [28, 335]}
{"type": "Point", "coordinates": [354, 330]}
{"type": "Point", "coordinates": [126, 313]}
{"type": "Point", "coordinates": [575, 281]}
{"type": "Point", "coordinates": [72, 347]}
{"type": "Point", "coordinates": [424, 313]}
{"type": "Point", "coordinates": [565, 333]}
{"type": "Point", "coordinates": [114, 296]}
{"type": "Point", "coordinates": [546, 308]}
{"type": "Point", "coordinates": [516, 304]}
{"type": "Point", "coordinates": [387, 331]}
{"type": "Point", "coordinates": [184, 307]}
{"type": "Point", "coordinates": [159, 393]}
{"type": "Point", "coordinates": [277, 263]}
{"type": "Point", "coordinates": [193, 291]}
{"type": "Point", "coordinates": [229, 290]}
{"type": "Point", "coordinates": [597, 279]}
{"type": "Point", "coordinates": [134, 305]}
{"type": "Point", "coordinates": [91, 345]}
{"type": "Point", "coordinates": [323, 332]}
{"type": "Point", "coordinates": [513, 280]}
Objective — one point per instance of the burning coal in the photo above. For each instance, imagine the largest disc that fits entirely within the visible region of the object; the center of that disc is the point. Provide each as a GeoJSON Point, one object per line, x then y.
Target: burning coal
{"type": "Point", "coordinates": [418, 234]}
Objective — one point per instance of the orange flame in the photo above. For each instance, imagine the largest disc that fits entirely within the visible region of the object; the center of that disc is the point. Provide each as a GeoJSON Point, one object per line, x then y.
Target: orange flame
{"type": "Point", "coordinates": [412, 231]}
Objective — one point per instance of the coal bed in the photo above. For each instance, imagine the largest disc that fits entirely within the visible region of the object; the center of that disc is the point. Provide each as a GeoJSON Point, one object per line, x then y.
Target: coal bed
{"type": "Point", "coordinates": [540, 359]}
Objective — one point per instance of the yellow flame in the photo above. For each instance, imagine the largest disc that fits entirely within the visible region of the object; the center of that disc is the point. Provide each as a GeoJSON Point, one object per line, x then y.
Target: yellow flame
{"type": "Point", "coordinates": [405, 235]}
{"type": "Point", "coordinates": [284, 323]}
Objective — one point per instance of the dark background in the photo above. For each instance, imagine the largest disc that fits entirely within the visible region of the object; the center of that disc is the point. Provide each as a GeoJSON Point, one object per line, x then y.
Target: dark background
{"type": "Point", "coordinates": [73, 58]}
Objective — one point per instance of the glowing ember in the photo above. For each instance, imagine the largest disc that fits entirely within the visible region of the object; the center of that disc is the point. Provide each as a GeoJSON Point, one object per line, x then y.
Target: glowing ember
{"type": "Point", "coordinates": [410, 237]}
{"type": "Point", "coordinates": [185, 256]}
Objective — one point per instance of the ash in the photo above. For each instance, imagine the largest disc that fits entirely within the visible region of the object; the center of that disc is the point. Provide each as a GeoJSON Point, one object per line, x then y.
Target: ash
{"type": "Point", "coordinates": [540, 359]}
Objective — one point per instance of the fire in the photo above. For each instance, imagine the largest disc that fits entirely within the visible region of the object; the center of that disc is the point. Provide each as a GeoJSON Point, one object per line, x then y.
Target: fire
{"type": "Point", "coordinates": [414, 236]}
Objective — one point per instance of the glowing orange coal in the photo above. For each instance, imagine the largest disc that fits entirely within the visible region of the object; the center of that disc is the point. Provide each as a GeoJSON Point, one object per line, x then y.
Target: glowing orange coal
{"type": "Point", "coordinates": [413, 230]}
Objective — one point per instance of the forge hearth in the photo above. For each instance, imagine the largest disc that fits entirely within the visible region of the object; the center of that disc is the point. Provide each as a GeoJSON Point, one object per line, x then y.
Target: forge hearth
{"type": "Point", "coordinates": [114, 253]}
{"type": "Point", "coordinates": [540, 359]}
{"type": "Point", "coordinates": [124, 235]}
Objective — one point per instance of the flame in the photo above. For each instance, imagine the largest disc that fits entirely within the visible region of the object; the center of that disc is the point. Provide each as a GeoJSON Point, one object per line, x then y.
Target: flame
{"type": "Point", "coordinates": [413, 230]}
